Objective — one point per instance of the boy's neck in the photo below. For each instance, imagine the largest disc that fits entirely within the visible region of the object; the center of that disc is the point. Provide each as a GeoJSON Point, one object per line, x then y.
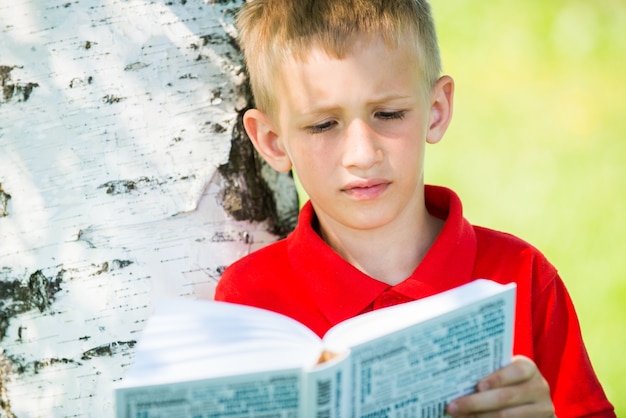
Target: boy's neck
{"type": "Point", "coordinates": [389, 254]}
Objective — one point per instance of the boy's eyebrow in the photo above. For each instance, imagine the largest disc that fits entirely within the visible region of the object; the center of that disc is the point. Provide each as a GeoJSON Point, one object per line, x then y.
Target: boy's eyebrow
{"type": "Point", "coordinates": [325, 108]}
{"type": "Point", "coordinates": [389, 98]}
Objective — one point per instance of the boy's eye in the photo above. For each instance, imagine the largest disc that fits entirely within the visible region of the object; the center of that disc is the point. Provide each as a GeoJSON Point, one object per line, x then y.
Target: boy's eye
{"type": "Point", "coordinates": [321, 127]}
{"type": "Point", "coordinates": [390, 115]}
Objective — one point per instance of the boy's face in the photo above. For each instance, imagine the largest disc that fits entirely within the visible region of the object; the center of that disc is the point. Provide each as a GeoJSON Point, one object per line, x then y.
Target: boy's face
{"type": "Point", "coordinates": [355, 130]}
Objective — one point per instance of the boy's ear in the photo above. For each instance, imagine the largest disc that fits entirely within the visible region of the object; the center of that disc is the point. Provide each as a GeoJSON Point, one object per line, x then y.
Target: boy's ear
{"type": "Point", "coordinates": [441, 99]}
{"type": "Point", "coordinates": [262, 133]}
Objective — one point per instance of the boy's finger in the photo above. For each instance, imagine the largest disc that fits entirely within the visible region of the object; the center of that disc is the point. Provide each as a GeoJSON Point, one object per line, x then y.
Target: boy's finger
{"type": "Point", "coordinates": [521, 369]}
{"type": "Point", "coordinates": [493, 400]}
{"type": "Point", "coordinates": [516, 400]}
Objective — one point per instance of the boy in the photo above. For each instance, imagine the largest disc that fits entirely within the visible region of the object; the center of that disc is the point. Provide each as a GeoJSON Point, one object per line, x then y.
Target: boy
{"type": "Point", "coordinates": [348, 92]}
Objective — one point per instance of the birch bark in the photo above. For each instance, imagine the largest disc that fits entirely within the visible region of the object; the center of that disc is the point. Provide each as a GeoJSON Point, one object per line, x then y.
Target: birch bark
{"type": "Point", "coordinates": [124, 179]}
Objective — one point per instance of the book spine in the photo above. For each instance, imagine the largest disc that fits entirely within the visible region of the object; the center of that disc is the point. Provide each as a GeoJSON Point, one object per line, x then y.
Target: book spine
{"type": "Point", "coordinates": [326, 390]}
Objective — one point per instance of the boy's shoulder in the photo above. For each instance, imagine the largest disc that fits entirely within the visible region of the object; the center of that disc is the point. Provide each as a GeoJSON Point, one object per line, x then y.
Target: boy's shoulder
{"type": "Point", "coordinates": [262, 271]}
{"type": "Point", "coordinates": [507, 255]}
{"type": "Point", "coordinates": [266, 259]}
{"type": "Point", "coordinates": [489, 237]}
{"type": "Point", "coordinates": [505, 243]}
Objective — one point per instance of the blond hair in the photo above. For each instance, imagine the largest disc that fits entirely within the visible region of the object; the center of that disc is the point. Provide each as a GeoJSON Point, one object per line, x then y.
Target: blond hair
{"type": "Point", "coordinates": [271, 31]}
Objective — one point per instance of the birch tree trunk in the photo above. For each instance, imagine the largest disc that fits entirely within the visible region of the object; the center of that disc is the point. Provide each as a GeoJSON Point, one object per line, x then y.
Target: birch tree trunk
{"type": "Point", "coordinates": [124, 179]}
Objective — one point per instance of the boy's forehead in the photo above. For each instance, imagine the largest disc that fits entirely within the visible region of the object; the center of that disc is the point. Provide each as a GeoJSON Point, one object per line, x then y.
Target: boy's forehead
{"type": "Point", "coordinates": [320, 79]}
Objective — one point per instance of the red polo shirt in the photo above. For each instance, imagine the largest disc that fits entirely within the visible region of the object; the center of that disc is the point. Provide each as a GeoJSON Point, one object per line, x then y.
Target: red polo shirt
{"type": "Point", "coordinates": [302, 277]}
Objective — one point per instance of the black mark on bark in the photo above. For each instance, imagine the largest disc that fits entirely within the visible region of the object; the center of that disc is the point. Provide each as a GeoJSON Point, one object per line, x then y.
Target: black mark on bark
{"type": "Point", "coordinates": [19, 365]}
{"type": "Point", "coordinates": [5, 371]}
{"type": "Point", "coordinates": [246, 195]}
{"type": "Point", "coordinates": [110, 99]}
{"type": "Point", "coordinates": [4, 202]}
{"type": "Point", "coordinates": [108, 349]}
{"type": "Point", "coordinates": [136, 66]}
{"type": "Point", "coordinates": [116, 187]}
{"type": "Point", "coordinates": [21, 295]}
{"type": "Point", "coordinates": [78, 81]}
{"type": "Point", "coordinates": [40, 364]}
{"type": "Point", "coordinates": [112, 266]}
{"type": "Point", "coordinates": [216, 128]}
{"type": "Point", "coordinates": [221, 236]}
{"type": "Point", "coordinates": [33, 367]}
{"type": "Point", "coordinates": [216, 96]}
{"type": "Point", "coordinates": [43, 290]}
{"type": "Point", "coordinates": [84, 235]}
{"type": "Point", "coordinates": [10, 89]}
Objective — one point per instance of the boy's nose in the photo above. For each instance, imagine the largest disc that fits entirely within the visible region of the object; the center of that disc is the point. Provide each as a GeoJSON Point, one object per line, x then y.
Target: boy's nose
{"type": "Point", "coordinates": [361, 146]}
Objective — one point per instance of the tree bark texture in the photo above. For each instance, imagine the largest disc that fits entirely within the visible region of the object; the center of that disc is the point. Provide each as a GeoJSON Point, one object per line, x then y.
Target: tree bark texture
{"type": "Point", "coordinates": [125, 178]}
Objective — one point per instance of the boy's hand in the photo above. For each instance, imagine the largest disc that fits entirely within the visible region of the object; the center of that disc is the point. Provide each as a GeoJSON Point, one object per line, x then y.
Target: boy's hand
{"type": "Point", "coordinates": [517, 390]}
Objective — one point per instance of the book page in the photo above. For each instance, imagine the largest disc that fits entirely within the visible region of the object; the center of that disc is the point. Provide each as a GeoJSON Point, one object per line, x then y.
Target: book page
{"type": "Point", "coordinates": [416, 370]}
{"type": "Point", "coordinates": [275, 394]}
{"type": "Point", "coordinates": [191, 340]}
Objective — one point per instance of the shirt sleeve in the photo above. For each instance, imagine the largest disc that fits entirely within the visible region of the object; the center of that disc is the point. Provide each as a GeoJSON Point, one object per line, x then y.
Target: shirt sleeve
{"type": "Point", "coordinates": [562, 358]}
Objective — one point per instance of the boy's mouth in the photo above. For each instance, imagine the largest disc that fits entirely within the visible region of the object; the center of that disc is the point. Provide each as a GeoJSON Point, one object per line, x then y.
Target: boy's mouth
{"type": "Point", "coordinates": [366, 189]}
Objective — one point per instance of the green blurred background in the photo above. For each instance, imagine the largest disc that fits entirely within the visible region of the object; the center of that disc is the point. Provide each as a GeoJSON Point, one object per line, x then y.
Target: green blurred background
{"type": "Point", "coordinates": [537, 145]}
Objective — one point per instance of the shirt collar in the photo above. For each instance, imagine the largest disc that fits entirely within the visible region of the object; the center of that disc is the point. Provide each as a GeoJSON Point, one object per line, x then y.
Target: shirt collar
{"type": "Point", "coordinates": [450, 260]}
{"type": "Point", "coordinates": [342, 291]}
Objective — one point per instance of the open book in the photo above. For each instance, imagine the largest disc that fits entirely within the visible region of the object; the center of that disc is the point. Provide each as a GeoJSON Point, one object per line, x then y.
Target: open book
{"type": "Point", "coordinates": [216, 359]}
